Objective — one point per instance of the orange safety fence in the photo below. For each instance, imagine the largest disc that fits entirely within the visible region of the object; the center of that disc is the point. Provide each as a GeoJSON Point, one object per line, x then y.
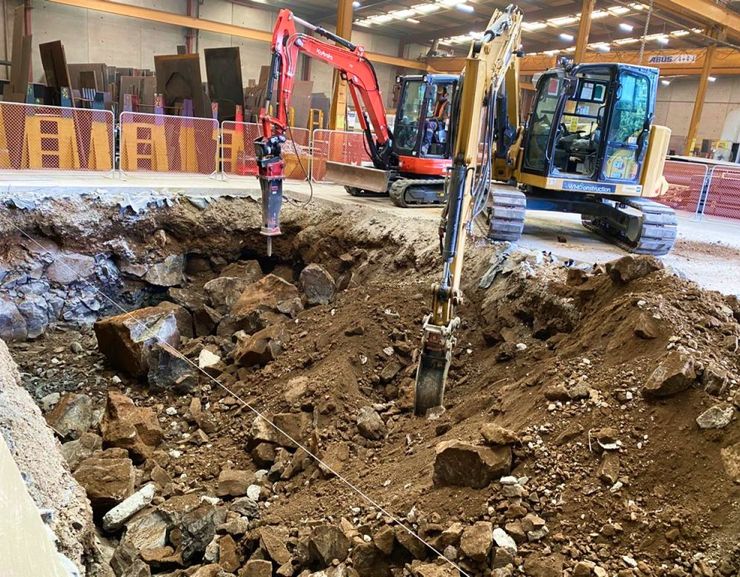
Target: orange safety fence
{"type": "Point", "coordinates": [36, 137]}
{"type": "Point", "coordinates": [687, 183]}
{"type": "Point", "coordinates": [238, 155]}
{"type": "Point", "coordinates": [337, 146]}
{"type": "Point", "coordinates": [723, 193]}
{"type": "Point", "coordinates": [171, 144]}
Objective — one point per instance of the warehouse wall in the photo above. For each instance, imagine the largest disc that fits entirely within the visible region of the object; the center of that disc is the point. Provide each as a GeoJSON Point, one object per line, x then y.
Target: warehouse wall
{"type": "Point", "coordinates": [721, 114]}
{"type": "Point", "coordinates": [91, 36]}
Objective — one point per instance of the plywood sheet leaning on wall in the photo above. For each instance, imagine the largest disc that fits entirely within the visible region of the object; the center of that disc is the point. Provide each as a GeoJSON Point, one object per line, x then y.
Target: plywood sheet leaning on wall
{"type": "Point", "coordinates": [20, 68]}
{"type": "Point", "coordinates": [224, 72]}
{"type": "Point", "coordinates": [178, 79]}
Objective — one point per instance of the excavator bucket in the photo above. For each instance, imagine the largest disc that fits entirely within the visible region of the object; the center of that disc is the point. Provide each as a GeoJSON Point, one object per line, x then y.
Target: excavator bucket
{"type": "Point", "coordinates": [362, 177]}
{"type": "Point", "coordinates": [431, 377]}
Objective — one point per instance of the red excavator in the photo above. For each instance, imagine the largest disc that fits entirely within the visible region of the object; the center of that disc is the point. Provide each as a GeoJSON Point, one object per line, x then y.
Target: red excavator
{"type": "Point", "coordinates": [410, 167]}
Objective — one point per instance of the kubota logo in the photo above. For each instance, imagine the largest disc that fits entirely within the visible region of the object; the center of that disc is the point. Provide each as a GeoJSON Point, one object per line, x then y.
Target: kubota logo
{"type": "Point", "coordinates": [324, 54]}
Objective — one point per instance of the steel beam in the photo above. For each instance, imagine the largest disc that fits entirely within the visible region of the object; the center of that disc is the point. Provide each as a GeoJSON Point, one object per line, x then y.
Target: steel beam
{"type": "Point", "coordinates": [584, 29]}
{"type": "Point", "coordinates": [338, 110]}
{"type": "Point", "coordinates": [163, 17]}
{"type": "Point", "coordinates": [701, 94]}
{"type": "Point", "coordinates": [706, 11]}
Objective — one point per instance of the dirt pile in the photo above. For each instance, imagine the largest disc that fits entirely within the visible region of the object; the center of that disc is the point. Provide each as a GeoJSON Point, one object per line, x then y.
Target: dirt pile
{"type": "Point", "coordinates": [581, 467]}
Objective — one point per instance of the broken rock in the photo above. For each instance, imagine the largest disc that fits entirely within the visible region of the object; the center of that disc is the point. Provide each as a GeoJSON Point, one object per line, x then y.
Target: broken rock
{"type": "Point", "coordinates": [496, 435]}
{"type": "Point", "coordinates": [257, 568]}
{"type": "Point", "coordinates": [130, 427]}
{"type": "Point", "coordinates": [629, 268]}
{"type": "Point", "coordinates": [107, 482]}
{"type": "Point", "coordinates": [261, 348]}
{"type": "Point", "coordinates": [233, 483]}
{"type": "Point", "coordinates": [328, 543]}
{"type": "Point", "coordinates": [462, 464]}
{"type": "Point", "coordinates": [127, 339]}
{"type": "Point", "coordinates": [716, 417]}
{"type": "Point", "coordinates": [74, 452]}
{"type": "Point", "coordinates": [370, 425]}
{"type": "Point", "coordinates": [476, 541]}
{"type": "Point", "coordinates": [317, 284]}
{"type": "Point", "coordinates": [12, 324]}
{"type": "Point", "coordinates": [674, 374]}
{"type": "Point", "coordinates": [608, 470]}
{"type": "Point", "coordinates": [167, 273]}
{"type": "Point", "coordinates": [731, 461]}
{"type": "Point", "coordinates": [116, 517]}
{"type": "Point", "coordinates": [69, 268]}
{"type": "Point", "coordinates": [72, 416]}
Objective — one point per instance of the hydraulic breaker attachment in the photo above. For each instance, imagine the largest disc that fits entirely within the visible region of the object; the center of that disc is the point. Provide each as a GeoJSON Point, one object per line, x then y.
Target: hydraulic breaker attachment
{"type": "Point", "coordinates": [271, 173]}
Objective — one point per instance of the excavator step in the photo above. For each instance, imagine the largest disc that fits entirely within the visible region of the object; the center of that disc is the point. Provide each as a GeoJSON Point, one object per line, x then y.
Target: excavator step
{"type": "Point", "coordinates": [506, 215]}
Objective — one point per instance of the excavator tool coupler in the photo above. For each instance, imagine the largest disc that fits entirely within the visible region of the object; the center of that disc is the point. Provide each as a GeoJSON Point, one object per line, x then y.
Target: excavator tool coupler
{"type": "Point", "coordinates": [362, 177]}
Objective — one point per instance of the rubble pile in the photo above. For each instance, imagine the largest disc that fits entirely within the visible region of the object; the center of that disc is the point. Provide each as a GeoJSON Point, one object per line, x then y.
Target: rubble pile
{"type": "Point", "coordinates": [590, 427]}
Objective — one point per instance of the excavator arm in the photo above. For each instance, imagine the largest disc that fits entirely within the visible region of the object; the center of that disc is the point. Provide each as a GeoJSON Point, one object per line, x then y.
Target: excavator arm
{"type": "Point", "coordinates": [490, 63]}
{"type": "Point", "coordinates": [362, 82]}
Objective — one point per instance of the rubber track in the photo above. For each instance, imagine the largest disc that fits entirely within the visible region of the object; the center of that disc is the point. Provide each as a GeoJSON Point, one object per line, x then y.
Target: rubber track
{"type": "Point", "coordinates": [659, 228]}
{"type": "Point", "coordinates": [506, 216]}
{"type": "Point", "coordinates": [398, 190]}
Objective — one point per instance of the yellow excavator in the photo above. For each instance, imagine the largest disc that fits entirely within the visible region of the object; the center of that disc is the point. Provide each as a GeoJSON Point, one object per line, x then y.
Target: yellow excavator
{"type": "Point", "coordinates": [589, 147]}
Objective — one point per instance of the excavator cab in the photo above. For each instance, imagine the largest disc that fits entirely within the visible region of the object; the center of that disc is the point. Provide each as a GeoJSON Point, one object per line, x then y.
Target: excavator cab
{"type": "Point", "coordinates": [422, 126]}
{"type": "Point", "coordinates": [591, 123]}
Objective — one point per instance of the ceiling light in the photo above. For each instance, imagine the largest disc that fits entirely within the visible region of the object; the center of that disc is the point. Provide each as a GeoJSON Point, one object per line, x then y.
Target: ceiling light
{"type": "Point", "coordinates": [564, 21]}
{"type": "Point", "coordinates": [401, 14]}
{"type": "Point", "coordinates": [464, 8]}
{"type": "Point", "coordinates": [570, 49]}
{"type": "Point", "coordinates": [621, 41]}
{"type": "Point", "coordinates": [626, 27]}
{"type": "Point", "coordinates": [356, 4]}
{"type": "Point", "coordinates": [381, 18]}
{"type": "Point", "coordinates": [532, 26]}
{"type": "Point", "coordinates": [567, 37]}
{"type": "Point", "coordinates": [412, 20]}
{"type": "Point", "coordinates": [600, 47]}
{"type": "Point", "coordinates": [665, 82]}
{"type": "Point", "coordinates": [679, 33]}
{"type": "Point", "coordinates": [551, 52]}
{"type": "Point", "coordinates": [426, 8]}
{"type": "Point", "coordinates": [596, 14]}
{"type": "Point", "coordinates": [662, 40]}
{"type": "Point", "coordinates": [712, 79]}
{"type": "Point", "coordinates": [618, 10]}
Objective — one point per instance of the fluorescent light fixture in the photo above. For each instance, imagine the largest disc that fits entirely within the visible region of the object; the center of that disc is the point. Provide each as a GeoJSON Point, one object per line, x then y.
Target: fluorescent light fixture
{"type": "Point", "coordinates": [662, 40]}
{"type": "Point", "coordinates": [532, 26]}
{"type": "Point", "coordinates": [570, 49]}
{"type": "Point", "coordinates": [600, 47]}
{"type": "Point", "coordinates": [679, 33]}
{"type": "Point", "coordinates": [381, 18]}
{"type": "Point", "coordinates": [596, 14]}
{"type": "Point", "coordinates": [622, 41]}
{"type": "Point", "coordinates": [567, 37]}
{"type": "Point", "coordinates": [563, 21]}
{"type": "Point", "coordinates": [551, 52]}
{"type": "Point", "coordinates": [626, 27]}
{"type": "Point", "coordinates": [665, 82]}
{"type": "Point", "coordinates": [356, 4]}
{"type": "Point", "coordinates": [712, 79]}
{"type": "Point", "coordinates": [412, 20]}
{"type": "Point", "coordinates": [468, 8]}
{"type": "Point", "coordinates": [401, 14]}
{"type": "Point", "coordinates": [426, 8]}
{"type": "Point", "coordinates": [618, 10]}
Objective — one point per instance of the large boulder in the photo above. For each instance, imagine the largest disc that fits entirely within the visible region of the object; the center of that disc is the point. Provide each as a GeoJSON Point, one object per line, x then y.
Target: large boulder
{"type": "Point", "coordinates": [674, 374]}
{"type": "Point", "coordinates": [223, 292]}
{"type": "Point", "coordinates": [12, 324]}
{"type": "Point", "coordinates": [318, 285]}
{"type": "Point", "coordinates": [127, 339]}
{"type": "Point", "coordinates": [130, 427]}
{"type": "Point", "coordinates": [107, 482]}
{"type": "Point", "coordinates": [70, 267]}
{"type": "Point", "coordinates": [462, 464]}
{"type": "Point", "coordinates": [262, 303]}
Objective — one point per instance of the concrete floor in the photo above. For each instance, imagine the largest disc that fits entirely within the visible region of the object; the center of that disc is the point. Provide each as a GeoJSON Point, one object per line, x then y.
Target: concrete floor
{"type": "Point", "coordinates": [707, 250]}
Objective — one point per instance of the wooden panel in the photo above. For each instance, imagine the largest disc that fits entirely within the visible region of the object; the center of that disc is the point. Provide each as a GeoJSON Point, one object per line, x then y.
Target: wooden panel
{"type": "Point", "coordinates": [178, 79]}
{"type": "Point", "coordinates": [224, 73]}
{"type": "Point", "coordinates": [54, 62]}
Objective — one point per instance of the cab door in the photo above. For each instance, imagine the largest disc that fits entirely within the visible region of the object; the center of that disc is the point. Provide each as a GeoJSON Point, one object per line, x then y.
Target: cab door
{"type": "Point", "coordinates": [543, 122]}
{"type": "Point", "coordinates": [629, 123]}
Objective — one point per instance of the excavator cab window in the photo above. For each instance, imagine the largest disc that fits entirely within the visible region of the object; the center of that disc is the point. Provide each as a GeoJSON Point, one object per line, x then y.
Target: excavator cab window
{"type": "Point", "coordinates": [423, 116]}
{"type": "Point", "coordinates": [579, 133]}
{"type": "Point", "coordinates": [629, 127]}
{"type": "Point", "coordinates": [549, 89]}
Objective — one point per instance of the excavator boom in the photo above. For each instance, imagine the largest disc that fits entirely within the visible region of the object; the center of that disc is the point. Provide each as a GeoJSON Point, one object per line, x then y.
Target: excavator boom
{"type": "Point", "coordinates": [486, 68]}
